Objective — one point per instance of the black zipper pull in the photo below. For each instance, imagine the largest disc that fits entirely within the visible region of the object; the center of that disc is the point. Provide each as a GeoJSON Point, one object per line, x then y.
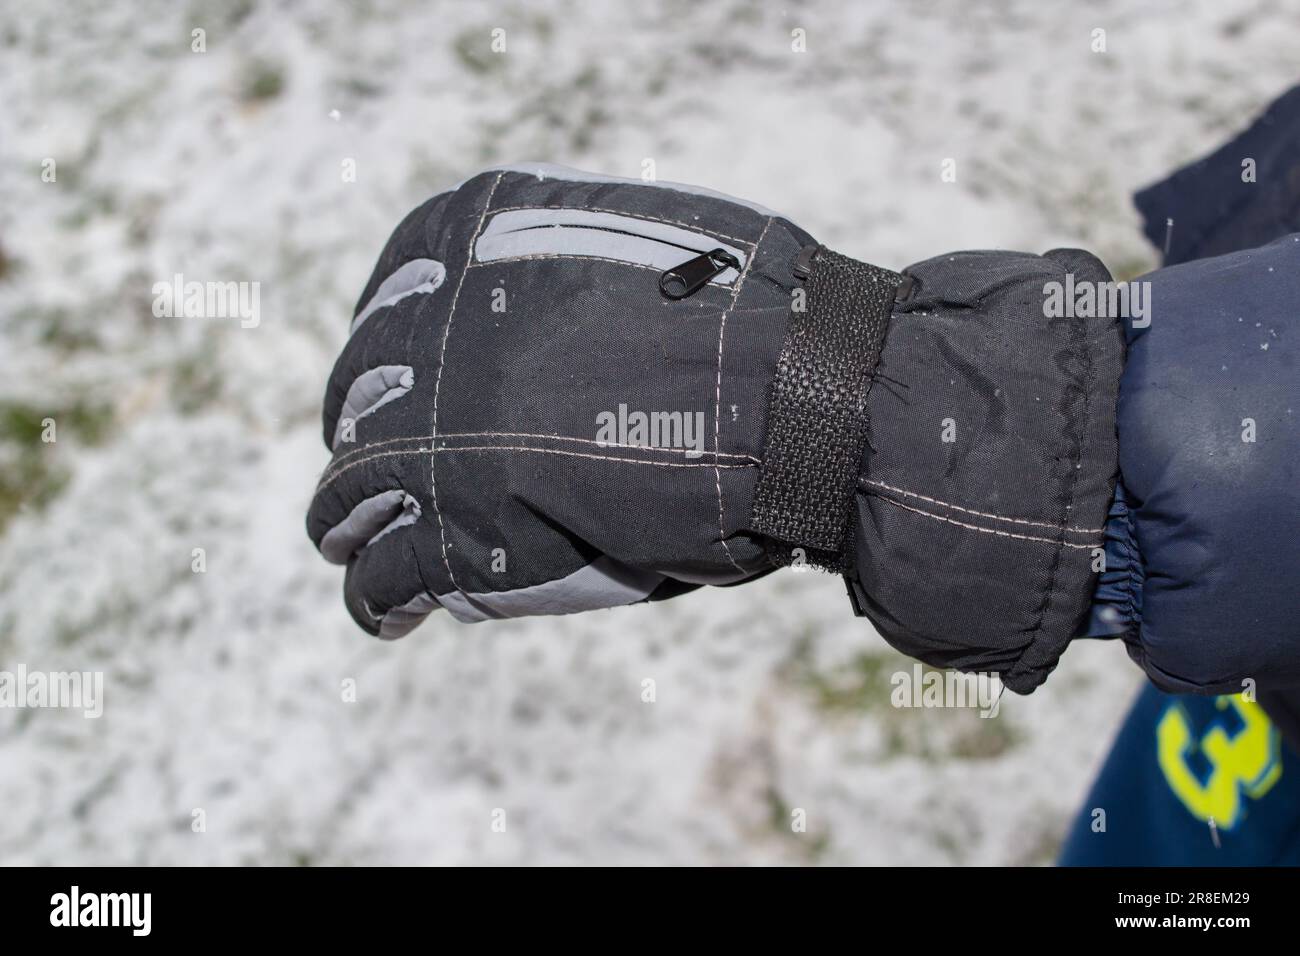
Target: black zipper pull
{"type": "Point", "coordinates": [694, 274]}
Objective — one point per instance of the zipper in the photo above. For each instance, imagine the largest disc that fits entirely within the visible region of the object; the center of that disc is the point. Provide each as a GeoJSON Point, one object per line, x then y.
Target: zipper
{"type": "Point", "coordinates": [691, 276]}
{"type": "Point", "coordinates": [687, 260]}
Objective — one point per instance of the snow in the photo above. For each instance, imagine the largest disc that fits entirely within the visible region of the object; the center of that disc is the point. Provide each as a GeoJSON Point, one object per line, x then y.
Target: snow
{"type": "Point", "coordinates": [225, 689]}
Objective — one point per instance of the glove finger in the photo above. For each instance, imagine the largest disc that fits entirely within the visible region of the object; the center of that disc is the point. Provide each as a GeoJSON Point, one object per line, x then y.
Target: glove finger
{"type": "Point", "coordinates": [357, 499]}
{"type": "Point", "coordinates": [413, 239]}
{"type": "Point", "coordinates": [384, 589]}
{"type": "Point", "coordinates": [370, 518]}
{"type": "Point", "coordinates": [378, 365]}
{"type": "Point", "coordinates": [375, 515]}
{"type": "Point", "coordinates": [417, 276]}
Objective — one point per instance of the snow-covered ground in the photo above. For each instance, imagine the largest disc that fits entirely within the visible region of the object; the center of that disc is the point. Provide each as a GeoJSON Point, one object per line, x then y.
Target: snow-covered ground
{"type": "Point", "coordinates": [224, 689]}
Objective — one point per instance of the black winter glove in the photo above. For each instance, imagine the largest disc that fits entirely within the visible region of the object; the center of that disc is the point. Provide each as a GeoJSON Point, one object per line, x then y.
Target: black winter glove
{"type": "Point", "coordinates": [565, 392]}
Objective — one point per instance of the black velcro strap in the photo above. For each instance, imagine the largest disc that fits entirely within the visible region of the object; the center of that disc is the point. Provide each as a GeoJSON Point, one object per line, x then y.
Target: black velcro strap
{"type": "Point", "coordinates": [817, 415]}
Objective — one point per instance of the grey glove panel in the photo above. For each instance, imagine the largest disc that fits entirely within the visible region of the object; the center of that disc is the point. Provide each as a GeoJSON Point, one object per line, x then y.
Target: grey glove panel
{"type": "Point", "coordinates": [370, 391]}
{"type": "Point", "coordinates": [601, 584]}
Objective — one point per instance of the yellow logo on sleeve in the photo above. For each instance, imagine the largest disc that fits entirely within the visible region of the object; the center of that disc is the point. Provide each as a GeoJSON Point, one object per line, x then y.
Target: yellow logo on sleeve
{"type": "Point", "coordinates": [1209, 768]}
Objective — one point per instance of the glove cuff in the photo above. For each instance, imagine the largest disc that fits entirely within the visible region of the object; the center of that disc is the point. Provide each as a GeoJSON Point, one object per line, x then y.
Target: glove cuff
{"type": "Point", "coordinates": [984, 490]}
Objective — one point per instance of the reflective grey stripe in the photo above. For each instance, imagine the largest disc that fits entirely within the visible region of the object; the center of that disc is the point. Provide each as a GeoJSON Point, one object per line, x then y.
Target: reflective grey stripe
{"type": "Point", "coordinates": [372, 389]}
{"type": "Point", "coordinates": [361, 525]}
{"type": "Point", "coordinates": [416, 276]}
{"type": "Point", "coordinates": [410, 512]}
{"type": "Point", "coordinates": [577, 232]}
{"type": "Point", "coordinates": [603, 583]}
{"type": "Point", "coordinates": [401, 621]}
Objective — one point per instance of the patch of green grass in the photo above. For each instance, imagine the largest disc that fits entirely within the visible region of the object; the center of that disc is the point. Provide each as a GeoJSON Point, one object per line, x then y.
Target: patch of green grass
{"type": "Point", "coordinates": [984, 739]}
{"type": "Point", "coordinates": [361, 87]}
{"type": "Point", "coordinates": [195, 384]}
{"type": "Point", "coordinates": [62, 329]}
{"type": "Point", "coordinates": [30, 477]}
{"type": "Point", "coordinates": [568, 116]}
{"type": "Point", "coordinates": [116, 613]}
{"type": "Point", "coordinates": [863, 686]}
{"type": "Point", "coordinates": [24, 423]}
{"type": "Point", "coordinates": [780, 817]}
{"type": "Point", "coordinates": [262, 81]}
{"type": "Point", "coordinates": [31, 482]}
{"type": "Point", "coordinates": [1040, 839]}
{"type": "Point", "coordinates": [859, 686]}
{"type": "Point", "coordinates": [21, 423]}
{"type": "Point", "coordinates": [473, 48]}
